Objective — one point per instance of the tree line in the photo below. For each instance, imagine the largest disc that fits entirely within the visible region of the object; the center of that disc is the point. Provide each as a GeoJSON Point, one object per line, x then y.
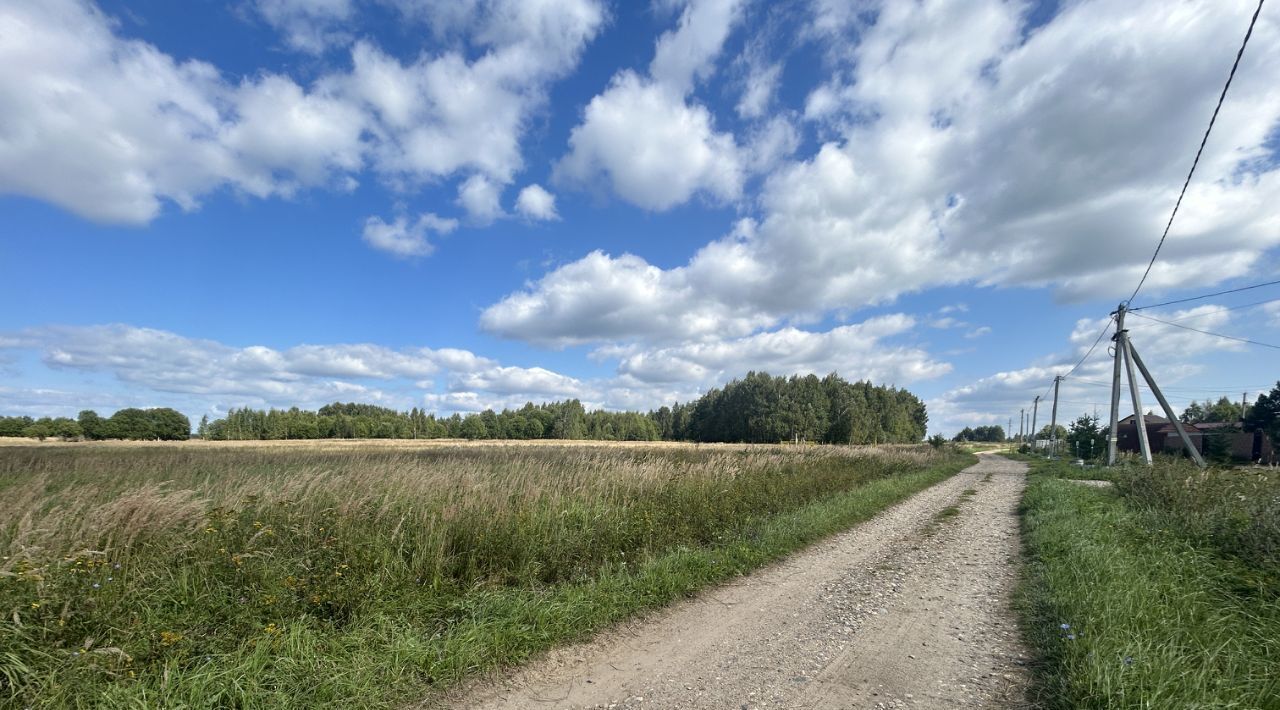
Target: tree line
{"type": "Point", "coordinates": [160, 423]}
{"type": "Point", "coordinates": [757, 408]}
{"type": "Point", "coordinates": [552, 420]}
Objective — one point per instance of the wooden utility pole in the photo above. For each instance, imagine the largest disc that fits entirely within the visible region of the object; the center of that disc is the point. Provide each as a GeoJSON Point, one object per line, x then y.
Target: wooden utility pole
{"type": "Point", "coordinates": [1022, 425]}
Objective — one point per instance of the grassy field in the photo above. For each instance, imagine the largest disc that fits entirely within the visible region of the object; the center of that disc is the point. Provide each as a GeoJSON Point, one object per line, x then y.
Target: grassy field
{"type": "Point", "coordinates": [303, 576]}
{"type": "Point", "coordinates": [1163, 591]}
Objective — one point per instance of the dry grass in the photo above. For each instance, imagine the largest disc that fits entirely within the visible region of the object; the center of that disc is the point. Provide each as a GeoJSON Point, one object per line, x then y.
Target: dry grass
{"type": "Point", "coordinates": [195, 559]}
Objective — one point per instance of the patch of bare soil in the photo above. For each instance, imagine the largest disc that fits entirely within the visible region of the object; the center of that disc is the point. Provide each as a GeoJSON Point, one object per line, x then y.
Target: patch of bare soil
{"type": "Point", "coordinates": [908, 610]}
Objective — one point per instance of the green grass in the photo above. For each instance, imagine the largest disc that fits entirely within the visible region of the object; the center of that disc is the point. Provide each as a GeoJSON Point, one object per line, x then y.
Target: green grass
{"type": "Point", "coordinates": [261, 577]}
{"type": "Point", "coordinates": [1155, 618]}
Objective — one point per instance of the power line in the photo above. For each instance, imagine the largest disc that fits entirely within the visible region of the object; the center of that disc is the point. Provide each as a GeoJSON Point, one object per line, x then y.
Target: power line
{"type": "Point", "coordinates": [1206, 314]}
{"type": "Point", "coordinates": [1207, 295]}
{"type": "Point", "coordinates": [1199, 151]}
{"type": "Point", "coordinates": [1205, 332]}
{"type": "Point", "coordinates": [1091, 348]}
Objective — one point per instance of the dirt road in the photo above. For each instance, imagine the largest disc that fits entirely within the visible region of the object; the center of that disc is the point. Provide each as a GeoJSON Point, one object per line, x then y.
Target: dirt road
{"type": "Point", "coordinates": [908, 610]}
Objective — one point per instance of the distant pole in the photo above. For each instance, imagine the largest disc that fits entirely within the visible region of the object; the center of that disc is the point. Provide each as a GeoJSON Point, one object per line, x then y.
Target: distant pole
{"type": "Point", "coordinates": [1053, 419]}
{"type": "Point", "coordinates": [1115, 389]}
{"type": "Point", "coordinates": [1022, 425]}
{"type": "Point", "coordinates": [1009, 431]}
{"type": "Point", "coordinates": [1244, 403]}
{"type": "Point", "coordinates": [1035, 408]}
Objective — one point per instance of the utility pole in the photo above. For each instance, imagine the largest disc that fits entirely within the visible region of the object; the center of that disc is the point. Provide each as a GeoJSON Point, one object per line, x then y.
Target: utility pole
{"type": "Point", "coordinates": [1124, 350]}
{"type": "Point", "coordinates": [1035, 407]}
{"type": "Point", "coordinates": [1009, 432]}
{"type": "Point", "coordinates": [1053, 420]}
{"type": "Point", "coordinates": [1244, 403]}
{"type": "Point", "coordinates": [1022, 425]}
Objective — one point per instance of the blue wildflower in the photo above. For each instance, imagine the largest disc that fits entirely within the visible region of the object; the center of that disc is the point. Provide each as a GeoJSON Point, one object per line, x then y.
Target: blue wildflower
{"type": "Point", "coordinates": [1064, 627]}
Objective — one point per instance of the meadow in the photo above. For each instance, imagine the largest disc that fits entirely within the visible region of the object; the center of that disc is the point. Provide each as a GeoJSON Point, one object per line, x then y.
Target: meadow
{"type": "Point", "coordinates": [1162, 591]}
{"type": "Point", "coordinates": [251, 575]}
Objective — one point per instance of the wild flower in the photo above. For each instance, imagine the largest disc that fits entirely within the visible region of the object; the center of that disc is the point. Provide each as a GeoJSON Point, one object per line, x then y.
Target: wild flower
{"type": "Point", "coordinates": [1064, 627]}
{"type": "Point", "coordinates": [168, 638]}
{"type": "Point", "coordinates": [97, 586]}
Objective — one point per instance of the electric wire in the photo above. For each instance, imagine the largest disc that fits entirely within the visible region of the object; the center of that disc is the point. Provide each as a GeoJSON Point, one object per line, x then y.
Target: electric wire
{"type": "Point", "coordinates": [1199, 151]}
{"type": "Point", "coordinates": [1097, 340]}
{"type": "Point", "coordinates": [1224, 310]}
{"type": "Point", "coordinates": [1207, 295]}
{"type": "Point", "coordinates": [1205, 332]}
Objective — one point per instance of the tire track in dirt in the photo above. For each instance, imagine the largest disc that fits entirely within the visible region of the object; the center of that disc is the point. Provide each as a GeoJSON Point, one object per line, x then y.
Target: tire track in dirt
{"type": "Point", "coordinates": [907, 610]}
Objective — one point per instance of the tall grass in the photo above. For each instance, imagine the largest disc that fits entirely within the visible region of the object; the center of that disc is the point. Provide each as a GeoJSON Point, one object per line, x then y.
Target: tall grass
{"type": "Point", "coordinates": [1236, 512]}
{"type": "Point", "coordinates": [1134, 599]}
{"type": "Point", "coordinates": [302, 577]}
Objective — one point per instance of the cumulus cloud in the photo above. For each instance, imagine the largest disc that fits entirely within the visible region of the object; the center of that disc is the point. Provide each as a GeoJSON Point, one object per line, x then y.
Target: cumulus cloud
{"type": "Point", "coordinates": [481, 198]}
{"type": "Point", "coordinates": [968, 153]}
{"type": "Point", "coordinates": [642, 135]}
{"type": "Point", "coordinates": [654, 149]}
{"type": "Point", "coordinates": [112, 128]}
{"type": "Point", "coordinates": [603, 297]}
{"type": "Point", "coordinates": [308, 25]}
{"type": "Point", "coordinates": [520, 380]}
{"type": "Point", "coordinates": [855, 351]}
{"type": "Point", "coordinates": [534, 202]}
{"type": "Point", "coordinates": [404, 238]}
{"type": "Point", "coordinates": [165, 366]}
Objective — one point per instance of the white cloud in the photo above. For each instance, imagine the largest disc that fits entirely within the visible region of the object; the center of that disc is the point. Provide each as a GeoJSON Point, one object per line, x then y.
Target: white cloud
{"type": "Point", "coordinates": [308, 25]}
{"type": "Point", "coordinates": [112, 128]}
{"type": "Point", "coordinates": [641, 136]}
{"type": "Point", "coordinates": [520, 380]}
{"type": "Point", "coordinates": [481, 198]}
{"type": "Point", "coordinates": [978, 332]}
{"type": "Point", "coordinates": [760, 86]}
{"type": "Point", "coordinates": [654, 150]}
{"type": "Point", "coordinates": [404, 238]}
{"type": "Point", "coordinates": [968, 155]}
{"type": "Point", "coordinates": [534, 202]}
{"type": "Point", "coordinates": [161, 365]}
{"type": "Point", "coordinates": [688, 53]}
{"type": "Point", "coordinates": [855, 351]}
{"type": "Point", "coordinates": [604, 298]}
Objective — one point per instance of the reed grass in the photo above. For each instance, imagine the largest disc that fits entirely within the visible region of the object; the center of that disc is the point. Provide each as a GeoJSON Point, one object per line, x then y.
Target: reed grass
{"type": "Point", "coordinates": [298, 577]}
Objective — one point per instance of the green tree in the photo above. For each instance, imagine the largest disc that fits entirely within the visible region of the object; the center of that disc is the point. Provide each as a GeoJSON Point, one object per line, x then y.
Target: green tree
{"type": "Point", "coordinates": [1264, 415]}
{"type": "Point", "coordinates": [92, 426]}
{"type": "Point", "coordinates": [1086, 438]}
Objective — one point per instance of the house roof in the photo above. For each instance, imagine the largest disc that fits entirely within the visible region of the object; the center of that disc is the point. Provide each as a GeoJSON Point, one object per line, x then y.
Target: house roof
{"type": "Point", "coordinates": [1197, 428]}
{"type": "Point", "coordinates": [1148, 419]}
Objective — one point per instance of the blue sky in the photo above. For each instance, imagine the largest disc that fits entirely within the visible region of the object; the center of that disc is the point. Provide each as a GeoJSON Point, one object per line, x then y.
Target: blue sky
{"type": "Point", "coordinates": [460, 205]}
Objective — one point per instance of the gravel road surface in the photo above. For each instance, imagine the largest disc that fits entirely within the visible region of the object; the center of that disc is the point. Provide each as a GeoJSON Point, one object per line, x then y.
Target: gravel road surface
{"type": "Point", "coordinates": [908, 610]}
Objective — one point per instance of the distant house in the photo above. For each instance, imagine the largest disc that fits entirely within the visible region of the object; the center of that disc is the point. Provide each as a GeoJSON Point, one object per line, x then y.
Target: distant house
{"type": "Point", "coordinates": [1240, 445]}
{"type": "Point", "coordinates": [1127, 433]}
